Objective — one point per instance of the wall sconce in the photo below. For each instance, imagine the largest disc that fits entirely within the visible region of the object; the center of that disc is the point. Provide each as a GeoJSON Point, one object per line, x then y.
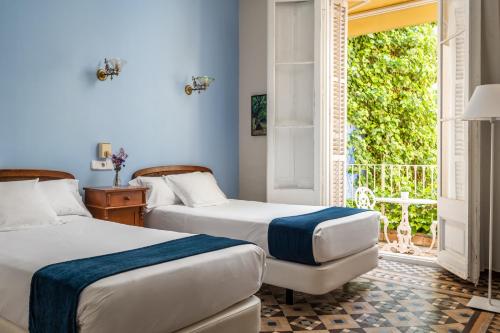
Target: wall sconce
{"type": "Point", "coordinates": [105, 150]}
{"type": "Point", "coordinates": [111, 68]}
{"type": "Point", "coordinates": [200, 83]}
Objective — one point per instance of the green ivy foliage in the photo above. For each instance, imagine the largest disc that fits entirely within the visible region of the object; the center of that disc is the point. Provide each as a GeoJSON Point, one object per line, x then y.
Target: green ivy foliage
{"type": "Point", "coordinates": [392, 106]}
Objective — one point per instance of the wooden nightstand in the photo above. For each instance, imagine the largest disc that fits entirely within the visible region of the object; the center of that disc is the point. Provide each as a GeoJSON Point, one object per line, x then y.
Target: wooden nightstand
{"type": "Point", "coordinates": [125, 204]}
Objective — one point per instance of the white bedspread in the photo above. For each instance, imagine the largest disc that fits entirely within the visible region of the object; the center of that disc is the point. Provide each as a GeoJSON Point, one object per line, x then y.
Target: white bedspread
{"type": "Point", "coordinates": [160, 298]}
{"type": "Point", "coordinates": [249, 220]}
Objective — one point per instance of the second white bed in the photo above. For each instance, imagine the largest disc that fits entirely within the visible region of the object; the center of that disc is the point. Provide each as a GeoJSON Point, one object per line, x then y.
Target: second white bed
{"type": "Point", "coordinates": [249, 220]}
{"type": "Point", "coordinates": [159, 298]}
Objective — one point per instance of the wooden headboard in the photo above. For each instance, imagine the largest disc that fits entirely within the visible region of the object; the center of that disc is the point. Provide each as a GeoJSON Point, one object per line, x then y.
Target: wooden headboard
{"type": "Point", "coordinates": [169, 170]}
{"type": "Point", "coordinates": [7, 175]}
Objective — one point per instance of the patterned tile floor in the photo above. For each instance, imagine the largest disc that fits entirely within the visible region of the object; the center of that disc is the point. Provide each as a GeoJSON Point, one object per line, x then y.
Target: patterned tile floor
{"type": "Point", "coordinates": [395, 297]}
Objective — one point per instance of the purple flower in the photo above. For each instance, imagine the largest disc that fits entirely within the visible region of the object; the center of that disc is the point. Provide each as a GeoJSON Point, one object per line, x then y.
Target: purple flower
{"type": "Point", "coordinates": [118, 160]}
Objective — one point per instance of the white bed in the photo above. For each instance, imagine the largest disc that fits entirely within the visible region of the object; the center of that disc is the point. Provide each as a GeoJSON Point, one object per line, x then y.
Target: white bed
{"type": "Point", "coordinates": [160, 298]}
{"type": "Point", "coordinates": [249, 220]}
{"type": "Point", "coordinates": [210, 292]}
{"type": "Point", "coordinates": [345, 247]}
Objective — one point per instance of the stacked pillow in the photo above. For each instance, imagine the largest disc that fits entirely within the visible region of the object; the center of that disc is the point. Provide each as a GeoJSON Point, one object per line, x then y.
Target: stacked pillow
{"type": "Point", "coordinates": [29, 203]}
{"type": "Point", "coordinates": [159, 193]}
{"type": "Point", "coordinates": [64, 197]}
{"type": "Point", "coordinates": [195, 189]}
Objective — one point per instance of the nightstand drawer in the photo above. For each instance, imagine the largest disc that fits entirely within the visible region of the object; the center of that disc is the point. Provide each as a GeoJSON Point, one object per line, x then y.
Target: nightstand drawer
{"type": "Point", "coordinates": [130, 216]}
{"type": "Point", "coordinates": [124, 198]}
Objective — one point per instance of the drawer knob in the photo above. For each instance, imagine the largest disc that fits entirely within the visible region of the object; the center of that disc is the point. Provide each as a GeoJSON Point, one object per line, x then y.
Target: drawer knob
{"type": "Point", "coordinates": [126, 197]}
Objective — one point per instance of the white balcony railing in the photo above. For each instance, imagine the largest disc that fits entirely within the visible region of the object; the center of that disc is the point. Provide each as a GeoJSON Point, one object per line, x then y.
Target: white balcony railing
{"type": "Point", "coordinates": [387, 182]}
{"type": "Point", "coordinates": [392, 179]}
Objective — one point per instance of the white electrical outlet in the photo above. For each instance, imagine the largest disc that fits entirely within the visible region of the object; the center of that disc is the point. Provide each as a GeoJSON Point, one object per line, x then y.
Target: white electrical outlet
{"type": "Point", "coordinates": [102, 165]}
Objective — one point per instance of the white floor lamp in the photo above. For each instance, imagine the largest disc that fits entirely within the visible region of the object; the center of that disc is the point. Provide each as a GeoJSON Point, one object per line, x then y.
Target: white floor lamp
{"type": "Point", "coordinates": [485, 105]}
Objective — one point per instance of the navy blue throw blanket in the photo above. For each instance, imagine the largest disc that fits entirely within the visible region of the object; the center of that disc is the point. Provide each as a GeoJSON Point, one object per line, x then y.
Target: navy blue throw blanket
{"type": "Point", "coordinates": [291, 238]}
{"type": "Point", "coordinates": [55, 289]}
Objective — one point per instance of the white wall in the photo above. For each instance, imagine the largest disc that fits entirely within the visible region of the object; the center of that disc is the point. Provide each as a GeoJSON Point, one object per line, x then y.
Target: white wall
{"type": "Point", "coordinates": [253, 80]}
{"type": "Point", "coordinates": [490, 74]}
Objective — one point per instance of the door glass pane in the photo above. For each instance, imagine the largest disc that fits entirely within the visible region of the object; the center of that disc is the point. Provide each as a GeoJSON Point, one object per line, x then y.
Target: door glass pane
{"type": "Point", "coordinates": [452, 159]}
{"type": "Point", "coordinates": [453, 18]}
{"type": "Point", "coordinates": [294, 95]}
{"type": "Point", "coordinates": [453, 129]}
{"type": "Point", "coordinates": [453, 77]}
{"type": "Point", "coordinates": [294, 158]}
{"type": "Point", "coordinates": [453, 101]}
{"type": "Point", "coordinates": [295, 31]}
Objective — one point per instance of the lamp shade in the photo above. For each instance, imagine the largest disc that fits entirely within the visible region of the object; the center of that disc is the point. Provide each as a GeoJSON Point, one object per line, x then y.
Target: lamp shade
{"type": "Point", "coordinates": [484, 103]}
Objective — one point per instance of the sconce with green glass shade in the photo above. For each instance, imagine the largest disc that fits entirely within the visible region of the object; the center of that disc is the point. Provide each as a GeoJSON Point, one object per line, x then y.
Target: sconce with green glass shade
{"type": "Point", "coordinates": [200, 83]}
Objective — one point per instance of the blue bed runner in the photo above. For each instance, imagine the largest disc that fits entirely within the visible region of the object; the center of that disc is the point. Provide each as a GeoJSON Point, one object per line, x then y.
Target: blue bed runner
{"type": "Point", "coordinates": [291, 238]}
{"type": "Point", "coordinates": [55, 289]}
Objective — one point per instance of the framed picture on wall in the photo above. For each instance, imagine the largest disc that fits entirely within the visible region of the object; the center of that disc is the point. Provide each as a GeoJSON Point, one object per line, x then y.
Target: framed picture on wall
{"type": "Point", "coordinates": [259, 115]}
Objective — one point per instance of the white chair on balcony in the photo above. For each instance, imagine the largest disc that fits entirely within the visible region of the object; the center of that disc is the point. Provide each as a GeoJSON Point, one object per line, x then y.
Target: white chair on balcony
{"type": "Point", "coordinates": [364, 198]}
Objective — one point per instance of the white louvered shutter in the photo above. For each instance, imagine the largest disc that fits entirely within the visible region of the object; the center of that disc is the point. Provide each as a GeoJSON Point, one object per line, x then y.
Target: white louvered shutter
{"type": "Point", "coordinates": [338, 108]}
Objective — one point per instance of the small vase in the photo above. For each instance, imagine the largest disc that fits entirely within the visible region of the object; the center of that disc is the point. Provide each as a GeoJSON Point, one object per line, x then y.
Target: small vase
{"type": "Point", "coordinates": [117, 182]}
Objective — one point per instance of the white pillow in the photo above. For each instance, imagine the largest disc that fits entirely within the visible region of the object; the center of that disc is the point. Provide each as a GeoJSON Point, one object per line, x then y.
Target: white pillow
{"type": "Point", "coordinates": [135, 182]}
{"type": "Point", "coordinates": [64, 197]}
{"type": "Point", "coordinates": [23, 205]}
{"type": "Point", "coordinates": [159, 193]}
{"type": "Point", "coordinates": [197, 189]}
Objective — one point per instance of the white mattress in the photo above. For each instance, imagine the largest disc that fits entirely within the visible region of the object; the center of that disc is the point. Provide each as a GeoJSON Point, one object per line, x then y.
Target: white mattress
{"type": "Point", "coordinates": [161, 298]}
{"type": "Point", "coordinates": [249, 220]}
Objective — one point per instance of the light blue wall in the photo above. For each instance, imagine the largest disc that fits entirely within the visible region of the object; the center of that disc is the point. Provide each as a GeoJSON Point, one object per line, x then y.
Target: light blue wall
{"type": "Point", "coordinates": [54, 111]}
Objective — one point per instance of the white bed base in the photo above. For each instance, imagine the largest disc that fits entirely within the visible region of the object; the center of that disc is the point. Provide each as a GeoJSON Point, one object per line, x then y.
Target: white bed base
{"type": "Point", "coordinates": [319, 280]}
{"type": "Point", "coordinates": [243, 317]}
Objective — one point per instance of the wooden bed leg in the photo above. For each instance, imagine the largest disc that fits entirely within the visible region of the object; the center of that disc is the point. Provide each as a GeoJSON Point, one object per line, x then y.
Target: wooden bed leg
{"type": "Point", "coordinates": [289, 296]}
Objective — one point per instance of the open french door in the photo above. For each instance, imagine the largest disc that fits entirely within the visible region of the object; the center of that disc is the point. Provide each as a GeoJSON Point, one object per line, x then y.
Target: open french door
{"type": "Point", "coordinates": [458, 197]}
{"type": "Point", "coordinates": [306, 157]}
